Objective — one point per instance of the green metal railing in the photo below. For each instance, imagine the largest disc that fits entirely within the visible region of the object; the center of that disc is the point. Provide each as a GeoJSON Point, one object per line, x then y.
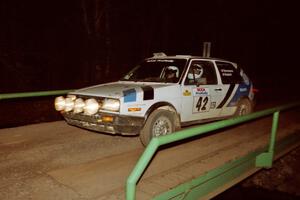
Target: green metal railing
{"type": "Point", "coordinates": [33, 94]}
{"type": "Point", "coordinates": [263, 160]}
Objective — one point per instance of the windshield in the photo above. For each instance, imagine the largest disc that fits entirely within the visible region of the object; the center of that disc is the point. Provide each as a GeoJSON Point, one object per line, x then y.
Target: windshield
{"type": "Point", "coordinates": [157, 70]}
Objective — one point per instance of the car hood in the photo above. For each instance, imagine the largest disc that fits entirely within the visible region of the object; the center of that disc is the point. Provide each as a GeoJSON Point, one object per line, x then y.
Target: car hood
{"type": "Point", "coordinates": [117, 89]}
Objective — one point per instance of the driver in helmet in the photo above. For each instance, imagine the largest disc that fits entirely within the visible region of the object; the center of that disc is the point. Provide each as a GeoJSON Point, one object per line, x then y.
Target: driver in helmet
{"type": "Point", "coordinates": [171, 74]}
{"type": "Point", "coordinates": [195, 73]}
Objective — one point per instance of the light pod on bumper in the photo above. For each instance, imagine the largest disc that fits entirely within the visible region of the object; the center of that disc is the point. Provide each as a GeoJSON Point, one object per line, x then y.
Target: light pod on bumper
{"type": "Point", "coordinates": [91, 107]}
{"type": "Point", "coordinates": [79, 105]}
{"type": "Point", "coordinates": [59, 103]}
{"type": "Point", "coordinates": [111, 105]}
{"type": "Point", "coordinates": [69, 104]}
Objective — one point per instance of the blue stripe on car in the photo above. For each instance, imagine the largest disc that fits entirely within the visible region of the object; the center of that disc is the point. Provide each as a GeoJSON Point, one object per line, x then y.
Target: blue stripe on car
{"type": "Point", "coordinates": [242, 91]}
{"type": "Point", "coordinates": [129, 95]}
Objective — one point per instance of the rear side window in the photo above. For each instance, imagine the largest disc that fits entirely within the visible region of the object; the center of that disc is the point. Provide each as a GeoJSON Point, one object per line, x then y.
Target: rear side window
{"type": "Point", "coordinates": [229, 74]}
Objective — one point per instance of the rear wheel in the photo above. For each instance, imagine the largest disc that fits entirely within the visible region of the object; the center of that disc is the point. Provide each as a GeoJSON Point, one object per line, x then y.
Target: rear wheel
{"type": "Point", "coordinates": [160, 122]}
{"type": "Point", "coordinates": [244, 107]}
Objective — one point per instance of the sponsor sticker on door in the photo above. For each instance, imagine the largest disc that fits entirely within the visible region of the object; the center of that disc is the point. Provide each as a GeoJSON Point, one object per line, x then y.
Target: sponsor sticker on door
{"type": "Point", "coordinates": [199, 91]}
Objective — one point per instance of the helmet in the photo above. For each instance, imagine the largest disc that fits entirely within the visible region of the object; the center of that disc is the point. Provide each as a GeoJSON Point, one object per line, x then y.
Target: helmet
{"type": "Point", "coordinates": [195, 70]}
{"type": "Point", "coordinates": [172, 69]}
{"type": "Point", "coordinates": [198, 72]}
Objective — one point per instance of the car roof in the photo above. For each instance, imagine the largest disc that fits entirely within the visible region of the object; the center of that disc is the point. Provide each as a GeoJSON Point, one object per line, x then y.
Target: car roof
{"type": "Point", "coordinates": [188, 57]}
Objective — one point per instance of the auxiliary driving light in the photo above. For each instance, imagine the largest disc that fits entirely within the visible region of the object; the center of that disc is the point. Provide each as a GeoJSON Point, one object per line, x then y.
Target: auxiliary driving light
{"type": "Point", "coordinates": [79, 105]}
{"type": "Point", "coordinates": [91, 107]}
{"type": "Point", "coordinates": [59, 103]}
{"type": "Point", "coordinates": [111, 105]}
{"type": "Point", "coordinates": [69, 104]}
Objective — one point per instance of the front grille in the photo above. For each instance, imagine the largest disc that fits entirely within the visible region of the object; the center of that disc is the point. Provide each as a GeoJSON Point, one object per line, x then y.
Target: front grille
{"type": "Point", "coordinates": [82, 117]}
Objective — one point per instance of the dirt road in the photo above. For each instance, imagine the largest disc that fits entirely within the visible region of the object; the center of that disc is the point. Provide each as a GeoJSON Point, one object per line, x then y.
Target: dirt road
{"type": "Point", "coordinates": [58, 161]}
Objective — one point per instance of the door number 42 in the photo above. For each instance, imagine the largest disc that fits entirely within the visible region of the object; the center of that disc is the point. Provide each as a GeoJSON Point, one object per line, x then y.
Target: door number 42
{"type": "Point", "coordinates": [203, 104]}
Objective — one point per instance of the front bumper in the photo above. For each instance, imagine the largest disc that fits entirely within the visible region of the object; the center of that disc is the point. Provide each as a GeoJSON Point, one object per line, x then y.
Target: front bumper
{"type": "Point", "coordinates": [124, 125]}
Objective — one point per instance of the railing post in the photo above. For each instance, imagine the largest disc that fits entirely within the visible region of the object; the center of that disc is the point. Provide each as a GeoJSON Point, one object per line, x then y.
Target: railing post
{"type": "Point", "coordinates": [266, 159]}
{"type": "Point", "coordinates": [140, 168]}
{"type": "Point", "coordinates": [274, 131]}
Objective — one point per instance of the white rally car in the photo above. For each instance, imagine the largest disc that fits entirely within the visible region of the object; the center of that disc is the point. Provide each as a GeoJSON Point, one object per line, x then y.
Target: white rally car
{"type": "Point", "coordinates": [160, 95]}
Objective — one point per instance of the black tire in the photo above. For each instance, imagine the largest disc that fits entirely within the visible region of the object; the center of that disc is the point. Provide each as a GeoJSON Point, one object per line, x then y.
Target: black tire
{"type": "Point", "coordinates": [244, 107]}
{"type": "Point", "coordinates": [160, 122]}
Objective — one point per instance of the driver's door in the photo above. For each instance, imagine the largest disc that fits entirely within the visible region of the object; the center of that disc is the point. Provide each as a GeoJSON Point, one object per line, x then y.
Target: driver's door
{"type": "Point", "coordinates": [201, 92]}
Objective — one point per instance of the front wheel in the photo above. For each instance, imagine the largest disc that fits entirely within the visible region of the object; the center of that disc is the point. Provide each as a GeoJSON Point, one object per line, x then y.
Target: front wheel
{"type": "Point", "coordinates": [160, 122]}
{"type": "Point", "coordinates": [244, 107]}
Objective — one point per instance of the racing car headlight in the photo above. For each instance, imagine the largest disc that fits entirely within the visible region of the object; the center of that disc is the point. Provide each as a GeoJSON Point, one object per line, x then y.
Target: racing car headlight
{"type": "Point", "coordinates": [69, 104]}
{"type": "Point", "coordinates": [91, 107]}
{"type": "Point", "coordinates": [111, 105]}
{"type": "Point", "coordinates": [79, 105]}
{"type": "Point", "coordinates": [59, 103]}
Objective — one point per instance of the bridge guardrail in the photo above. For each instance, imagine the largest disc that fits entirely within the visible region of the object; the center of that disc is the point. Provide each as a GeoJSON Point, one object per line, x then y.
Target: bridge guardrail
{"type": "Point", "coordinates": [33, 94]}
{"type": "Point", "coordinates": [263, 160]}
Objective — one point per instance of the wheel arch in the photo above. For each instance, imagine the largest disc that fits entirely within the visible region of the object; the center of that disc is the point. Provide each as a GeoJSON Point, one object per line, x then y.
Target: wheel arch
{"type": "Point", "coordinates": [247, 98]}
{"type": "Point", "coordinates": [166, 106]}
{"type": "Point", "coordinates": [239, 102]}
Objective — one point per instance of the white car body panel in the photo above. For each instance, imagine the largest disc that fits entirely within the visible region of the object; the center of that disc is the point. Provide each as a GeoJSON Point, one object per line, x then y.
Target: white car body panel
{"type": "Point", "coordinates": [163, 92]}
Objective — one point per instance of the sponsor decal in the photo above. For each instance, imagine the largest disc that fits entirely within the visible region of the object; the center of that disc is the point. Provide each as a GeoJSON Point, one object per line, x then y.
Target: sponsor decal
{"type": "Point", "coordinates": [226, 72]}
{"type": "Point", "coordinates": [129, 95]}
{"type": "Point", "coordinates": [200, 91]}
{"type": "Point", "coordinates": [243, 89]}
{"type": "Point", "coordinates": [160, 60]}
{"type": "Point", "coordinates": [213, 105]}
{"type": "Point", "coordinates": [187, 93]}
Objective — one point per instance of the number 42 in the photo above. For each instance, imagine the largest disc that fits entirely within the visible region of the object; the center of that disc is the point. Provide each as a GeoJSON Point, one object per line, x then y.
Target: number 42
{"type": "Point", "coordinates": [202, 104]}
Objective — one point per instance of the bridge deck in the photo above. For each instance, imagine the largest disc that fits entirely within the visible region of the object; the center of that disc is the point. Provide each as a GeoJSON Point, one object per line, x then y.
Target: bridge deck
{"type": "Point", "coordinates": [57, 161]}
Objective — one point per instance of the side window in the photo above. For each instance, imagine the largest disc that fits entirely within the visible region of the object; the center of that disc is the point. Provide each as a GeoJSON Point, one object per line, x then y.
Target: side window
{"type": "Point", "coordinates": [229, 74]}
{"type": "Point", "coordinates": [170, 74]}
{"type": "Point", "coordinates": [201, 73]}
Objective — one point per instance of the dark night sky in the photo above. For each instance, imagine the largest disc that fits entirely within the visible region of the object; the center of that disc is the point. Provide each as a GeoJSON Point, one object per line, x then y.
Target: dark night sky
{"type": "Point", "coordinates": [54, 44]}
